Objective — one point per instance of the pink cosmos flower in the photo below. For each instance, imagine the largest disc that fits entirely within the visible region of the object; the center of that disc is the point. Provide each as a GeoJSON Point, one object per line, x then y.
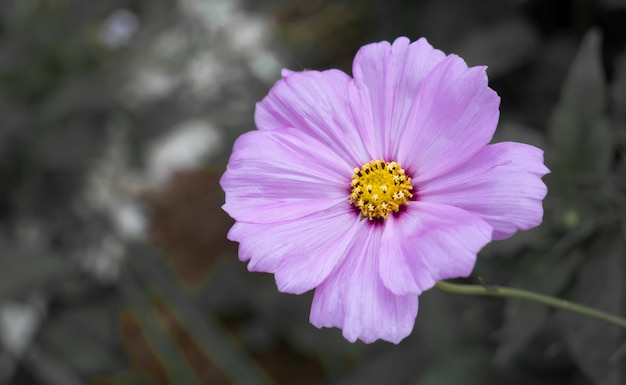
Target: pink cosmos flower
{"type": "Point", "coordinates": [369, 189]}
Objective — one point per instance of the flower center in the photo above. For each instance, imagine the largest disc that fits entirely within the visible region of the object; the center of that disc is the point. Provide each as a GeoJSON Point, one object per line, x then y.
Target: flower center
{"type": "Point", "coordinates": [380, 187]}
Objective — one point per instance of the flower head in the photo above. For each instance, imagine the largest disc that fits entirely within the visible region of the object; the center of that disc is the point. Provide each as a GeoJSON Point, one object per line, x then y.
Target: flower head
{"type": "Point", "coordinates": [370, 189]}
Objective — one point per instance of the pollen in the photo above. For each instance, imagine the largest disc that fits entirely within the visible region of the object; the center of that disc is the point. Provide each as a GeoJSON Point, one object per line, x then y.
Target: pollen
{"type": "Point", "coordinates": [380, 188]}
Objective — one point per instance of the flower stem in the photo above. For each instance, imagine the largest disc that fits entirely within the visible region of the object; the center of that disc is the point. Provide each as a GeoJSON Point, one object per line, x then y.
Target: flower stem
{"type": "Point", "coordinates": [507, 292]}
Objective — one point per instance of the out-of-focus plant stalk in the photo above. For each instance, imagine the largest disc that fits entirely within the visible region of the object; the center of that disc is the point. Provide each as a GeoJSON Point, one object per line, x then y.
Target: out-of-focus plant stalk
{"type": "Point", "coordinates": [507, 292]}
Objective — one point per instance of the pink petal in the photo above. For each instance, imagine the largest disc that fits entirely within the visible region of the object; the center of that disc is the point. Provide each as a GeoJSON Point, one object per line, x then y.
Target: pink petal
{"type": "Point", "coordinates": [501, 183]}
{"type": "Point", "coordinates": [301, 253]}
{"type": "Point", "coordinates": [394, 267]}
{"type": "Point", "coordinates": [388, 78]}
{"type": "Point", "coordinates": [315, 103]}
{"type": "Point", "coordinates": [354, 298]}
{"type": "Point", "coordinates": [455, 115]}
{"type": "Point", "coordinates": [265, 117]}
{"type": "Point", "coordinates": [437, 242]}
{"type": "Point", "coordinates": [281, 175]}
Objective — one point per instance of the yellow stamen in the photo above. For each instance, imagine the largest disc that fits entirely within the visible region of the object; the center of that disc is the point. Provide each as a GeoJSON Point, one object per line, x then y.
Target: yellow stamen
{"type": "Point", "coordinates": [379, 188]}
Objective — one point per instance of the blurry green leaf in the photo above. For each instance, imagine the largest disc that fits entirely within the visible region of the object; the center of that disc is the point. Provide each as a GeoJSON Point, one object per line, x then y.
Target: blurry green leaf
{"type": "Point", "coordinates": [598, 348]}
{"type": "Point", "coordinates": [124, 378]}
{"type": "Point", "coordinates": [581, 138]}
{"type": "Point", "coordinates": [48, 369]}
{"type": "Point", "coordinates": [23, 270]}
{"type": "Point", "coordinates": [168, 353]}
{"type": "Point", "coordinates": [444, 320]}
{"type": "Point", "coordinates": [467, 367]}
{"type": "Point", "coordinates": [618, 108]}
{"type": "Point", "coordinates": [213, 338]}
{"type": "Point", "coordinates": [546, 274]}
{"type": "Point", "coordinates": [272, 316]}
{"type": "Point", "coordinates": [66, 336]}
{"type": "Point", "coordinates": [618, 95]}
{"type": "Point", "coordinates": [513, 131]}
{"type": "Point", "coordinates": [509, 248]}
{"type": "Point", "coordinates": [396, 366]}
{"type": "Point", "coordinates": [502, 47]}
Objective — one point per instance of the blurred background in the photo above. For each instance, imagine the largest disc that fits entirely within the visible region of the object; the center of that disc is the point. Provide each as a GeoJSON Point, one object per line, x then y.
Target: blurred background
{"type": "Point", "coordinates": [117, 119]}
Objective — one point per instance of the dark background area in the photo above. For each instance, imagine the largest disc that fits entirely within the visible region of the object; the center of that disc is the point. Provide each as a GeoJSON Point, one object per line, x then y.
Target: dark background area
{"type": "Point", "coordinates": [116, 121]}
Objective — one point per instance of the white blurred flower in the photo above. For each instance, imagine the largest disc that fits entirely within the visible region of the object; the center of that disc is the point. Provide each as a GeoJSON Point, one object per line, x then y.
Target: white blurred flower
{"type": "Point", "coordinates": [186, 146]}
{"type": "Point", "coordinates": [18, 324]}
{"type": "Point", "coordinates": [119, 28]}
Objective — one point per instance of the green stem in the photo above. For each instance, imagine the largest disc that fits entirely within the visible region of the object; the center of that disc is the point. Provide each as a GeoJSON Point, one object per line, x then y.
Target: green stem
{"type": "Point", "coordinates": [507, 292]}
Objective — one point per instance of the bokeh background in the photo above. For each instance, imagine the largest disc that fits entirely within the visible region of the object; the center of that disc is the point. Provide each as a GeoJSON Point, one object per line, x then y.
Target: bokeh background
{"type": "Point", "coordinates": [116, 121]}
